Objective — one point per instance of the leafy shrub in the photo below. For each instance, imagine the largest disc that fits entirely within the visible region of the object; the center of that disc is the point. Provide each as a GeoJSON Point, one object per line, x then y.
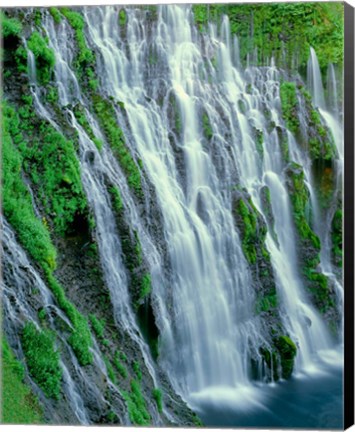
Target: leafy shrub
{"type": "Point", "coordinates": [137, 409]}
{"type": "Point", "coordinates": [11, 27]}
{"type": "Point", "coordinates": [289, 105]}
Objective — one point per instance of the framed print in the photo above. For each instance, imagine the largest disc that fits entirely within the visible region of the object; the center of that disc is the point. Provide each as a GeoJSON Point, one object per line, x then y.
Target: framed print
{"type": "Point", "coordinates": [178, 215]}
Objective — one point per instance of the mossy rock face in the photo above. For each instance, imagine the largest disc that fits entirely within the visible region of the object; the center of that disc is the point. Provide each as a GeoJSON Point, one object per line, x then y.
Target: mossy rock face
{"type": "Point", "coordinates": [337, 237]}
{"type": "Point", "coordinates": [320, 290]}
{"type": "Point", "coordinates": [287, 351]}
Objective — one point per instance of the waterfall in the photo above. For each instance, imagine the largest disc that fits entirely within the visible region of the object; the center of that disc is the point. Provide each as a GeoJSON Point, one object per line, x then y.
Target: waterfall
{"type": "Point", "coordinates": [202, 130]}
{"type": "Point", "coordinates": [314, 80]}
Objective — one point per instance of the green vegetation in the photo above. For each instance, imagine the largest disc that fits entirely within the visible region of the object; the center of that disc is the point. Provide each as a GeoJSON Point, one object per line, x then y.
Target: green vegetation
{"type": "Point", "coordinates": [289, 106]}
{"type": "Point", "coordinates": [116, 199]}
{"type": "Point", "coordinates": [97, 325]}
{"type": "Point", "coordinates": [299, 196]}
{"type": "Point", "coordinates": [158, 397]}
{"type": "Point", "coordinates": [282, 27]}
{"type": "Point", "coordinates": [137, 408]}
{"type": "Point", "coordinates": [146, 286]}
{"type": "Point", "coordinates": [248, 231]}
{"type": "Point", "coordinates": [42, 359]}
{"type": "Point", "coordinates": [266, 303]}
{"type": "Point", "coordinates": [44, 56]}
{"type": "Point", "coordinates": [17, 202]}
{"type": "Point", "coordinates": [110, 371]}
{"type": "Point", "coordinates": [19, 405]}
{"type": "Point", "coordinates": [137, 370]}
{"type": "Point", "coordinates": [11, 27]}
{"type": "Point", "coordinates": [50, 160]}
{"type": "Point", "coordinates": [337, 237]}
{"type": "Point", "coordinates": [57, 17]}
{"type": "Point", "coordinates": [118, 359]}
{"type": "Point", "coordinates": [79, 113]}
{"type": "Point", "coordinates": [106, 114]}
{"type": "Point", "coordinates": [52, 95]}
{"type": "Point", "coordinates": [86, 57]}
{"type": "Point", "coordinates": [259, 140]}
{"type": "Point", "coordinates": [206, 126]}
{"type": "Point", "coordinates": [122, 17]}
{"type": "Point", "coordinates": [287, 350]}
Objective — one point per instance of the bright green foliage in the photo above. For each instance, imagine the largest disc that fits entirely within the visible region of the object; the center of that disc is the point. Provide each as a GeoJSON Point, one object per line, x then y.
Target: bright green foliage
{"type": "Point", "coordinates": [97, 325]}
{"type": "Point", "coordinates": [108, 121]}
{"type": "Point", "coordinates": [110, 370]}
{"type": "Point", "coordinates": [52, 95]}
{"type": "Point", "coordinates": [51, 162]}
{"type": "Point", "coordinates": [86, 57]}
{"type": "Point", "coordinates": [80, 338]}
{"type": "Point", "coordinates": [266, 303]}
{"type": "Point", "coordinates": [287, 350]}
{"type": "Point", "coordinates": [337, 237]}
{"type": "Point", "coordinates": [137, 370]}
{"type": "Point", "coordinates": [146, 286]}
{"type": "Point", "coordinates": [119, 366]}
{"type": "Point", "coordinates": [283, 27]}
{"type": "Point", "coordinates": [19, 405]}
{"type": "Point", "coordinates": [249, 231]}
{"type": "Point", "coordinates": [137, 409]}
{"type": "Point", "coordinates": [44, 56]}
{"type": "Point", "coordinates": [21, 59]}
{"type": "Point", "coordinates": [57, 17]}
{"type": "Point", "coordinates": [299, 196]}
{"type": "Point", "coordinates": [79, 113]}
{"type": "Point", "coordinates": [116, 199]}
{"type": "Point", "coordinates": [11, 27]}
{"type": "Point", "coordinates": [122, 17]}
{"type": "Point", "coordinates": [42, 314]}
{"type": "Point", "coordinates": [289, 106]}
{"type": "Point", "coordinates": [42, 359]}
{"type": "Point", "coordinates": [17, 203]}
{"type": "Point", "coordinates": [158, 397]}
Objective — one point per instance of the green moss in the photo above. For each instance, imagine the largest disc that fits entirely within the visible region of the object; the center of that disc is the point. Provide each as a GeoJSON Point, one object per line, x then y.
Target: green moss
{"type": "Point", "coordinates": [44, 57]}
{"type": "Point", "coordinates": [206, 126]}
{"type": "Point", "coordinates": [299, 196]}
{"type": "Point", "coordinates": [122, 17]}
{"type": "Point", "coordinates": [97, 325]}
{"type": "Point", "coordinates": [287, 350]}
{"type": "Point", "coordinates": [19, 405]}
{"type": "Point", "coordinates": [266, 303]}
{"type": "Point", "coordinates": [105, 112]}
{"type": "Point", "coordinates": [52, 95]}
{"type": "Point", "coordinates": [79, 113]}
{"type": "Point", "coordinates": [50, 160]}
{"type": "Point", "coordinates": [137, 370]}
{"type": "Point", "coordinates": [249, 231]}
{"type": "Point", "coordinates": [137, 409]}
{"type": "Point", "coordinates": [57, 16]}
{"type": "Point", "coordinates": [146, 286]}
{"type": "Point", "coordinates": [116, 199]}
{"type": "Point", "coordinates": [289, 106]}
{"type": "Point", "coordinates": [42, 359]}
{"type": "Point", "coordinates": [21, 59]}
{"type": "Point", "coordinates": [110, 371]}
{"type": "Point", "coordinates": [118, 359]}
{"type": "Point", "coordinates": [11, 27]}
{"type": "Point", "coordinates": [85, 60]}
{"type": "Point", "coordinates": [158, 397]}
{"type": "Point", "coordinates": [80, 338]}
{"type": "Point", "coordinates": [259, 140]}
{"type": "Point", "coordinates": [17, 202]}
{"type": "Point", "coordinates": [337, 237]}
{"type": "Point", "coordinates": [42, 314]}
{"type": "Point", "coordinates": [271, 359]}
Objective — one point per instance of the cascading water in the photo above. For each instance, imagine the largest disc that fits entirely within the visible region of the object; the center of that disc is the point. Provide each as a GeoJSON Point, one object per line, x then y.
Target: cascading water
{"type": "Point", "coordinates": [193, 163]}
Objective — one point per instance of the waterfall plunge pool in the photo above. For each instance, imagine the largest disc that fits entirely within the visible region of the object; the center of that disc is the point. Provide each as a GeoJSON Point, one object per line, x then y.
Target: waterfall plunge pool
{"type": "Point", "coordinates": [312, 399]}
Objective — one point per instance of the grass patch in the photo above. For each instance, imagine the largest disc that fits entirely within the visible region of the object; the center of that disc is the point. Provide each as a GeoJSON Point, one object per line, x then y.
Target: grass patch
{"type": "Point", "coordinates": [42, 359]}
{"type": "Point", "coordinates": [79, 113]}
{"type": "Point", "coordinates": [97, 325]}
{"type": "Point", "coordinates": [19, 405]}
{"type": "Point", "coordinates": [118, 359]}
{"type": "Point", "coordinates": [57, 16]}
{"type": "Point", "coordinates": [158, 397]}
